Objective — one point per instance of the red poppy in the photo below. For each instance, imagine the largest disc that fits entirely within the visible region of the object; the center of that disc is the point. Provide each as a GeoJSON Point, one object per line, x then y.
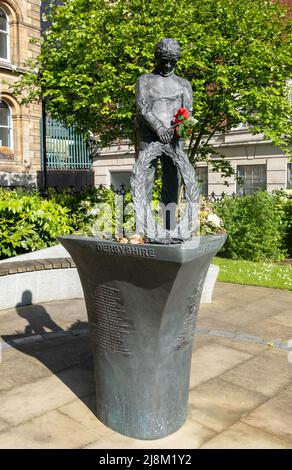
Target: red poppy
{"type": "Point", "coordinates": [181, 113]}
{"type": "Point", "coordinates": [179, 117]}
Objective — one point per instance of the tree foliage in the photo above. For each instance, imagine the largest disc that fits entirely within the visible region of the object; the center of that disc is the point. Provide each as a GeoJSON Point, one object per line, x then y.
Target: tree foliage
{"type": "Point", "coordinates": [236, 53]}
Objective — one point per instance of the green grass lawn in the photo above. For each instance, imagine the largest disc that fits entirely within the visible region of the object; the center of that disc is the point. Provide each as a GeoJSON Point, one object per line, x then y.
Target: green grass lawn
{"type": "Point", "coordinates": [258, 274]}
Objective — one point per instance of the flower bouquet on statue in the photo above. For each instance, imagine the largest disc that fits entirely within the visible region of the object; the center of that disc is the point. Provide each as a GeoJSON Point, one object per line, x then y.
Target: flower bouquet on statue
{"type": "Point", "coordinates": [183, 123]}
{"type": "Point", "coordinates": [135, 239]}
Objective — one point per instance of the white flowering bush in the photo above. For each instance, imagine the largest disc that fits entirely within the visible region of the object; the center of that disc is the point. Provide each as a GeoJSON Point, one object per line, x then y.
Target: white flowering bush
{"type": "Point", "coordinates": [210, 222]}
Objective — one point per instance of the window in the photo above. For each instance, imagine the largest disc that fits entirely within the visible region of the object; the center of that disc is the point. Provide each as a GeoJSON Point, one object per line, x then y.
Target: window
{"type": "Point", "coordinates": [5, 125]}
{"type": "Point", "coordinates": [289, 180]}
{"type": "Point", "coordinates": [202, 179]}
{"type": "Point", "coordinates": [254, 178]}
{"type": "Point", "coordinates": [3, 35]}
{"type": "Point", "coordinates": [120, 177]}
{"type": "Point", "coordinates": [241, 125]}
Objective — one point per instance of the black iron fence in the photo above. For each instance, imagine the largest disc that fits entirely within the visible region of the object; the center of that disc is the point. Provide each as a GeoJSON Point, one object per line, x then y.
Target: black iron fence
{"type": "Point", "coordinates": [121, 191]}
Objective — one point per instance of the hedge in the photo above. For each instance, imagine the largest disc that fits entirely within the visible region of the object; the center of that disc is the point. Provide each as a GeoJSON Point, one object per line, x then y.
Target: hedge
{"type": "Point", "coordinates": [259, 226]}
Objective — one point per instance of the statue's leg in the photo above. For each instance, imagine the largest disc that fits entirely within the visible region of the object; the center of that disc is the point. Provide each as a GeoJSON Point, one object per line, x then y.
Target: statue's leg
{"type": "Point", "coordinates": [170, 186]}
{"type": "Point", "coordinates": [170, 181]}
{"type": "Point", "coordinates": [149, 180]}
{"type": "Point", "coordinates": [149, 172]}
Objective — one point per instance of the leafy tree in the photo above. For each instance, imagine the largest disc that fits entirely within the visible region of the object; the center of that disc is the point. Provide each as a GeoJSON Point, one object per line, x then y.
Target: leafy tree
{"type": "Point", "coordinates": [236, 53]}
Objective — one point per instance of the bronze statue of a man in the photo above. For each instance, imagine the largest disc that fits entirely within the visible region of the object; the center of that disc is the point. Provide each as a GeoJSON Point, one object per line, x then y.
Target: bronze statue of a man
{"type": "Point", "coordinates": [159, 95]}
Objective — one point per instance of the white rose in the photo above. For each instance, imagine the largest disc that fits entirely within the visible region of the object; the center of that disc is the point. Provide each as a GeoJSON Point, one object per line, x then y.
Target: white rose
{"type": "Point", "coordinates": [193, 120]}
{"type": "Point", "coordinates": [93, 212]}
{"type": "Point", "coordinates": [214, 219]}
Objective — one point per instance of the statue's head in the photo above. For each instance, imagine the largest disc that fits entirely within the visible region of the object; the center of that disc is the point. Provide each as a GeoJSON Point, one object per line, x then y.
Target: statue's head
{"type": "Point", "coordinates": [167, 53]}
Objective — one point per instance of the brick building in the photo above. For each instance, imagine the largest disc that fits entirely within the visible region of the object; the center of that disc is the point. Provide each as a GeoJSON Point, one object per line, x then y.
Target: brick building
{"type": "Point", "coordinates": [19, 125]}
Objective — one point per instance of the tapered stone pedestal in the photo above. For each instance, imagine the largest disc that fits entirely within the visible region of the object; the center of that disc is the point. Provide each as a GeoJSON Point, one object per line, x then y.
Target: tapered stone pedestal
{"type": "Point", "coordinates": [142, 303]}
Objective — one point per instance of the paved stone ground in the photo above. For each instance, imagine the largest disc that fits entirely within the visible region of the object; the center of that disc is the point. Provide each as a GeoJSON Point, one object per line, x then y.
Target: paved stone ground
{"type": "Point", "coordinates": [240, 390]}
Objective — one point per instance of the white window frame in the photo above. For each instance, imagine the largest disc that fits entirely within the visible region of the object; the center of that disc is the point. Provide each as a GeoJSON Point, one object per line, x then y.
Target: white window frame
{"type": "Point", "coordinates": [241, 126]}
{"type": "Point", "coordinates": [205, 185]}
{"type": "Point", "coordinates": [9, 127]}
{"type": "Point", "coordinates": [2, 59]}
{"type": "Point", "coordinates": [112, 171]}
{"type": "Point", "coordinates": [240, 189]}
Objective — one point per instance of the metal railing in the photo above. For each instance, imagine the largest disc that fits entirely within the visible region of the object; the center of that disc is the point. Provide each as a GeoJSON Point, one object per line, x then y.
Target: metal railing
{"type": "Point", "coordinates": [65, 147]}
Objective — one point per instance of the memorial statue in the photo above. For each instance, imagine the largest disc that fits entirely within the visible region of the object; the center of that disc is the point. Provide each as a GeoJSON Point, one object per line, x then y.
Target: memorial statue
{"type": "Point", "coordinates": [142, 300]}
{"type": "Point", "coordinates": [159, 96]}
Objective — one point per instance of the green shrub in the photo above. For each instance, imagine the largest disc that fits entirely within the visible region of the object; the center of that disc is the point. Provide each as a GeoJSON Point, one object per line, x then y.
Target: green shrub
{"type": "Point", "coordinates": [85, 207]}
{"type": "Point", "coordinates": [288, 219]}
{"type": "Point", "coordinates": [29, 222]}
{"type": "Point", "coordinates": [286, 208]}
{"type": "Point", "coordinates": [255, 225]}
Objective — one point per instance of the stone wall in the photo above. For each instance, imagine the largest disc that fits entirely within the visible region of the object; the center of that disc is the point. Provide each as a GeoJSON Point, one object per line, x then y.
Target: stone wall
{"type": "Point", "coordinates": [116, 158]}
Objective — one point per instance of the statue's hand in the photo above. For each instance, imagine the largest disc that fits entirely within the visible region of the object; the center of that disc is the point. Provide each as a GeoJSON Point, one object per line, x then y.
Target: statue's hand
{"type": "Point", "coordinates": [166, 135]}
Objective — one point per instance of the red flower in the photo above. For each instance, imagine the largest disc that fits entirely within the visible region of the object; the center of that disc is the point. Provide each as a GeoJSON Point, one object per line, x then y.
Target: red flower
{"type": "Point", "coordinates": [181, 113]}
{"type": "Point", "coordinates": [179, 117]}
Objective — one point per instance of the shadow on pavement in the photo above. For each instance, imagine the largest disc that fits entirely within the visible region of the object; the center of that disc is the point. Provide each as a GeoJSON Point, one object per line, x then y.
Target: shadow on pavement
{"type": "Point", "coordinates": [65, 352]}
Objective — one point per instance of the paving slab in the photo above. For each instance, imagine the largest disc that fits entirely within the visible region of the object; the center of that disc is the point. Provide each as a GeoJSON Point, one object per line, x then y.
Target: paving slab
{"type": "Point", "coordinates": [243, 436]}
{"type": "Point", "coordinates": [83, 412]}
{"type": "Point", "coordinates": [65, 353]}
{"type": "Point", "coordinates": [244, 346]}
{"type": "Point", "coordinates": [33, 399]}
{"type": "Point", "coordinates": [242, 305]}
{"type": "Point", "coordinates": [271, 329]}
{"type": "Point", "coordinates": [212, 360]}
{"type": "Point", "coordinates": [228, 290]}
{"type": "Point", "coordinates": [53, 354]}
{"type": "Point", "coordinates": [3, 424]}
{"type": "Point", "coordinates": [53, 430]}
{"type": "Point", "coordinates": [190, 436]}
{"type": "Point", "coordinates": [218, 404]}
{"type": "Point", "coordinates": [284, 318]}
{"type": "Point", "coordinates": [274, 416]}
{"type": "Point", "coordinates": [201, 340]}
{"type": "Point", "coordinates": [18, 369]}
{"type": "Point", "coordinates": [216, 322]}
{"type": "Point", "coordinates": [239, 317]}
{"type": "Point", "coordinates": [43, 318]}
{"type": "Point", "coordinates": [266, 373]}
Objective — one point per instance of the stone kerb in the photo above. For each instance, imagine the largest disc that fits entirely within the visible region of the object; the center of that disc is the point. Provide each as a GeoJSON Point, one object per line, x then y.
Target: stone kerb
{"type": "Point", "coordinates": [44, 279]}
